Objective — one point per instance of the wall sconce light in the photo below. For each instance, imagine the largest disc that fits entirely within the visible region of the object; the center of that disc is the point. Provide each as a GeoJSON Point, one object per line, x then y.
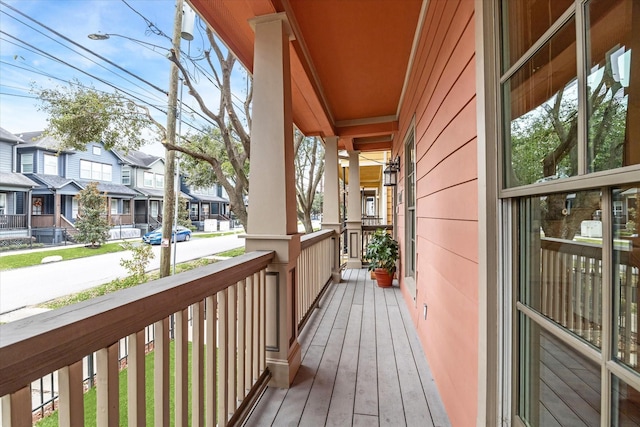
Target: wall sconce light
{"type": "Point", "coordinates": [391, 173]}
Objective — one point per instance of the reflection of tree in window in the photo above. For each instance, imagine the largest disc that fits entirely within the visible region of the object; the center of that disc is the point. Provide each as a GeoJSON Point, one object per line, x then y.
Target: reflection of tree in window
{"type": "Point", "coordinates": [37, 206]}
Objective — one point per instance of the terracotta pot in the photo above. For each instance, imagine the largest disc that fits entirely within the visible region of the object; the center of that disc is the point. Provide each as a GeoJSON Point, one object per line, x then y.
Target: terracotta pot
{"type": "Point", "coordinates": [383, 278]}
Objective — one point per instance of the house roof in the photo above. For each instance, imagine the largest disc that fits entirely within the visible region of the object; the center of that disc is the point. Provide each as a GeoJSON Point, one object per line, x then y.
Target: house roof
{"type": "Point", "coordinates": [12, 179]}
{"type": "Point", "coordinates": [39, 140]}
{"type": "Point", "coordinates": [110, 188]}
{"type": "Point", "coordinates": [159, 194]}
{"type": "Point", "coordinates": [7, 136]}
{"type": "Point", "coordinates": [138, 158]}
{"type": "Point", "coordinates": [51, 181]}
{"type": "Point", "coordinates": [208, 198]}
{"type": "Point", "coordinates": [348, 68]}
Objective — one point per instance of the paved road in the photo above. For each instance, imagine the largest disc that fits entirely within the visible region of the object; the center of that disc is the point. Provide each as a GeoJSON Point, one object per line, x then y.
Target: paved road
{"type": "Point", "coordinates": [33, 285]}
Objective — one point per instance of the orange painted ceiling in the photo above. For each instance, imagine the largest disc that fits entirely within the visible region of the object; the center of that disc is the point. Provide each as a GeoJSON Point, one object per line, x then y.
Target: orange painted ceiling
{"type": "Point", "coordinates": [348, 60]}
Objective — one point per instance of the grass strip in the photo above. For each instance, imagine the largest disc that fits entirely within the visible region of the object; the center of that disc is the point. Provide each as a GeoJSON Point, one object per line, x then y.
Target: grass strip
{"type": "Point", "coordinates": [28, 259]}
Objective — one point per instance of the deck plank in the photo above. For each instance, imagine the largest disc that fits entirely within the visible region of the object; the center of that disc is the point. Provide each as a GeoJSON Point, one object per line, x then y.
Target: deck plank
{"type": "Point", "coordinates": [362, 364]}
{"type": "Point", "coordinates": [342, 400]}
{"type": "Point", "coordinates": [316, 410]}
{"type": "Point", "coordinates": [366, 401]}
{"type": "Point", "coordinates": [390, 403]}
{"type": "Point", "coordinates": [413, 397]}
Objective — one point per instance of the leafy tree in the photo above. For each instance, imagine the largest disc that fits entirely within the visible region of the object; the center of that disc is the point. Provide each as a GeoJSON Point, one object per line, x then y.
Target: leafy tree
{"type": "Point", "coordinates": [309, 165]}
{"type": "Point", "coordinates": [79, 115]}
{"type": "Point", "coordinates": [184, 219]}
{"type": "Point", "coordinates": [91, 223]}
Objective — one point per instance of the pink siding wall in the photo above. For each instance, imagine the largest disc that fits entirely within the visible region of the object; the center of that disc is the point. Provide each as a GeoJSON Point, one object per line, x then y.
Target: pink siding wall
{"type": "Point", "coordinates": [441, 96]}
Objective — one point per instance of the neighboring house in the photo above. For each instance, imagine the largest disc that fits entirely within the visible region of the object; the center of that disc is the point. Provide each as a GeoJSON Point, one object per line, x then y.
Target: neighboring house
{"type": "Point", "coordinates": [208, 203]}
{"type": "Point", "coordinates": [60, 175]}
{"type": "Point", "coordinates": [15, 189]}
{"type": "Point", "coordinates": [145, 174]}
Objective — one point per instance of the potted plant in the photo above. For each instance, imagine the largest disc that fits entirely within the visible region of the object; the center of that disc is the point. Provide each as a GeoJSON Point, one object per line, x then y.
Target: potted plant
{"type": "Point", "coordinates": [382, 254]}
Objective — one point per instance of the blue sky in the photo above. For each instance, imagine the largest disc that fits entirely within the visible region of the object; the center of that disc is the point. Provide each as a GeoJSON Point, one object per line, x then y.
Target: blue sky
{"type": "Point", "coordinates": [21, 66]}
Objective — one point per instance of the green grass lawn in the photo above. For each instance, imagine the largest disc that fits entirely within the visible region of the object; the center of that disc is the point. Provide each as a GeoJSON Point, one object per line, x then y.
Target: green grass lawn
{"type": "Point", "coordinates": [90, 396]}
{"type": "Point", "coordinates": [28, 259]}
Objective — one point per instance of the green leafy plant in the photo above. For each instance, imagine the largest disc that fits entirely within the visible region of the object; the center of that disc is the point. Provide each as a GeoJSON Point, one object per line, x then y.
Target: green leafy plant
{"type": "Point", "coordinates": [92, 224]}
{"type": "Point", "coordinates": [382, 251]}
{"type": "Point", "coordinates": [141, 256]}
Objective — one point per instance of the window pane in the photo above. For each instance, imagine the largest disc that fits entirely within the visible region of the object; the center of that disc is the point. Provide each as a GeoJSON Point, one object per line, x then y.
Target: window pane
{"type": "Point", "coordinates": [126, 177]}
{"type": "Point", "coordinates": [532, 19]}
{"type": "Point", "coordinates": [626, 265]}
{"type": "Point", "coordinates": [557, 386]}
{"type": "Point", "coordinates": [85, 169]}
{"type": "Point", "coordinates": [96, 171]}
{"type": "Point", "coordinates": [50, 165]}
{"type": "Point", "coordinates": [106, 172]}
{"type": "Point", "coordinates": [561, 260]}
{"type": "Point", "coordinates": [148, 179]}
{"type": "Point", "coordinates": [614, 135]}
{"type": "Point", "coordinates": [159, 181]}
{"type": "Point", "coordinates": [625, 401]}
{"type": "Point", "coordinates": [26, 161]}
{"type": "Point", "coordinates": [540, 107]}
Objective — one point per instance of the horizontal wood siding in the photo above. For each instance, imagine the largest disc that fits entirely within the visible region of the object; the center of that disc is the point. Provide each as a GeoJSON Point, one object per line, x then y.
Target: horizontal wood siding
{"type": "Point", "coordinates": [441, 98]}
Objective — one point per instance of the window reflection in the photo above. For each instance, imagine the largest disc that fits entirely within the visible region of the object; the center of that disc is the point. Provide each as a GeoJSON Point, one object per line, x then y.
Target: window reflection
{"type": "Point", "coordinates": [561, 260]}
{"type": "Point", "coordinates": [558, 387]}
{"type": "Point", "coordinates": [541, 101]}
{"type": "Point", "coordinates": [613, 142]}
{"type": "Point", "coordinates": [626, 265]}
{"type": "Point", "coordinates": [625, 402]}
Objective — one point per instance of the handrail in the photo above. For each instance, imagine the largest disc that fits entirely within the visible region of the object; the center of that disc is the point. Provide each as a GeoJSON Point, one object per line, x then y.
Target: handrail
{"type": "Point", "coordinates": [311, 239]}
{"type": "Point", "coordinates": [40, 344]}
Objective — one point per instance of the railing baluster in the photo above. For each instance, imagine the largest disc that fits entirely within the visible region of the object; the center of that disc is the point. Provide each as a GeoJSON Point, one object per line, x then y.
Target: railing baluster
{"type": "Point", "coordinates": [107, 388]}
{"type": "Point", "coordinates": [262, 322]}
{"type": "Point", "coordinates": [161, 373]}
{"type": "Point", "coordinates": [232, 359]}
{"type": "Point", "coordinates": [212, 359]}
{"type": "Point", "coordinates": [197, 364]}
{"type": "Point", "coordinates": [182, 367]}
{"type": "Point", "coordinates": [256, 327]}
{"type": "Point", "coordinates": [242, 314]}
{"type": "Point", "coordinates": [16, 408]}
{"type": "Point", "coordinates": [248, 371]}
{"type": "Point", "coordinates": [71, 396]}
{"type": "Point", "coordinates": [136, 380]}
{"type": "Point", "coordinates": [223, 366]}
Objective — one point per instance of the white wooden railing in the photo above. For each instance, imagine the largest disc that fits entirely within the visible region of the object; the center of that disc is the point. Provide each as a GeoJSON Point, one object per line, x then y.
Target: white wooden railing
{"type": "Point", "coordinates": [571, 291]}
{"type": "Point", "coordinates": [223, 303]}
{"type": "Point", "coordinates": [314, 271]}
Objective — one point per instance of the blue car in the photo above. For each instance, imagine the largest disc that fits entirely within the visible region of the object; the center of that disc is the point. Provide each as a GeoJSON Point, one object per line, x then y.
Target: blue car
{"type": "Point", "coordinates": [155, 237]}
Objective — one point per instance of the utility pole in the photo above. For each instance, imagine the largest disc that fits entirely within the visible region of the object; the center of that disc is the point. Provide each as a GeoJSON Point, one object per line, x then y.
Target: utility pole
{"type": "Point", "coordinates": [170, 155]}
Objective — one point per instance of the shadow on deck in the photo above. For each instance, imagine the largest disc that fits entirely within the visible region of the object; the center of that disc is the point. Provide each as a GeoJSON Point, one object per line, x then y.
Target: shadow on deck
{"type": "Point", "coordinates": [362, 364]}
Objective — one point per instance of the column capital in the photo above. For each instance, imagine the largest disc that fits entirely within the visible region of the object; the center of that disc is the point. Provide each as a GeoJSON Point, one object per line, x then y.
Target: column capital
{"type": "Point", "coordinates": [281, 16]}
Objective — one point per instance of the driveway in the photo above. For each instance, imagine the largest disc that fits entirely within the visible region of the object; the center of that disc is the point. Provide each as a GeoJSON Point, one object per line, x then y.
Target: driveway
{"type": "Point", "coordinates": [34, 285]}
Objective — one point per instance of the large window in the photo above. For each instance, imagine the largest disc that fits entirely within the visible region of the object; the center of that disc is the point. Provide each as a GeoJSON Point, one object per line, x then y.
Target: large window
{"type": "Point", "coordinates": [95, 171]}
{"type": "Point", "coordinates": [410, 221]}
{"type": "Point", "coordinates": [50, 164]}
{"type": "Point", "coordinates": [159, 181]}
{"type": "Point", "coordinates": [570, 151]}
{"type": "Point", "coordinates": [126, 176]}
{"type": "Point", "coordinates": [26, 163]}
{"type": "Point", "coordinates": [147, 179]}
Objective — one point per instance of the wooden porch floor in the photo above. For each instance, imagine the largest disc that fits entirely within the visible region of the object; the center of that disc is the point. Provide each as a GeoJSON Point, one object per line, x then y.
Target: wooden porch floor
{"type": "Point", "coordinates": [362, 365]}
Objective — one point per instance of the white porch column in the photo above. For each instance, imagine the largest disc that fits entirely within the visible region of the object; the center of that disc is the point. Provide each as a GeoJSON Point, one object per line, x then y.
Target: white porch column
{"type": "Point", "coordinates": [331, 202]}
{"type": "Point", "coordinates": [272, 223]}
{"type": "Point", "coordinates": [354, 213]}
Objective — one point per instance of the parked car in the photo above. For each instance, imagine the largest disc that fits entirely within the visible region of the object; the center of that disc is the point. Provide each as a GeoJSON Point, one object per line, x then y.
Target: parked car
{"type": "Point", "coordinates": [155, 237]}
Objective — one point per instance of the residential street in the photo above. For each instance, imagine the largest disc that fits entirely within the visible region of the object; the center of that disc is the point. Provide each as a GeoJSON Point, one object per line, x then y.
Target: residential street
{"type": "Point", "coordinates": [33, 285]}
